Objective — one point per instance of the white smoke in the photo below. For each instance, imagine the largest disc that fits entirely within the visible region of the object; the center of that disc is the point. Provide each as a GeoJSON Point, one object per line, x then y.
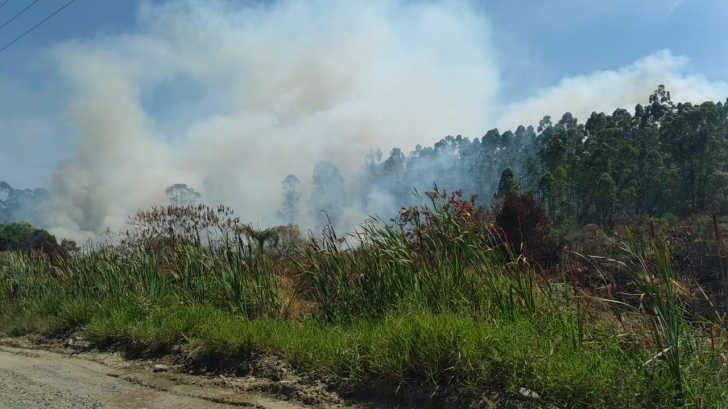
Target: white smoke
{"type": "Point", "coordinates": [230, 99]}
{"type": "Point", "coordinates": [605, 91]}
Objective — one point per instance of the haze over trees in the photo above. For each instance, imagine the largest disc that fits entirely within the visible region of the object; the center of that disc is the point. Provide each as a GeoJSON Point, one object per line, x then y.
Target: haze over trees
{"type": "Point", "coordinates": [664, 157]}
{"type": "Point", "coordinates": [20, 204]}
{"type": "Point", "coordinates": [290, 199]}
{"type": "Point", "coordinates": [181, 195]}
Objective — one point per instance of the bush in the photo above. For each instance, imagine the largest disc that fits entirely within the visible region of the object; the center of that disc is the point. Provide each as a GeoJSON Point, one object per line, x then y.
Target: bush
{"type": "Point", "coordinates": [289, 239]}
{"type": "Point", "coordinates": [22, 236]}
{"type": "Point", "coordinates": [445, 219]}
{"type": "Point", "coordinates": [527, 229]}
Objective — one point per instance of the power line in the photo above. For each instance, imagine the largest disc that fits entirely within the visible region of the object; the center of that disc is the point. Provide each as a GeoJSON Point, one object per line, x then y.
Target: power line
{"type": "Point", "coordinates": [17, 15]}
{"type": "Point", "coordinates": [4, 3]}
{"type": "Point", "coordinates": [36, 26]}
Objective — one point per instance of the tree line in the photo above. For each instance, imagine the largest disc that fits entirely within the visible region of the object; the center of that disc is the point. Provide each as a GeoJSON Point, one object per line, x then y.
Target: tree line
{"type": "Point", "coordinates": [663, 158]}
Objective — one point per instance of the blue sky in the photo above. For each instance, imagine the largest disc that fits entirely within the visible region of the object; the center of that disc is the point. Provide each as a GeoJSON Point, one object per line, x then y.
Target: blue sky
{"type": "Point", "coordinates": [545, 40]}
{"type": "Point", "coordinates": [572, 37]}
{"type": "Point", "coordinates": [130, 96]}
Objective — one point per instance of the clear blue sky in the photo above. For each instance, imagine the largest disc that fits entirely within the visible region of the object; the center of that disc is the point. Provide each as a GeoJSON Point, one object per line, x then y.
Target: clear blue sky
{"type": "Point", "coordinates": [536, 43]}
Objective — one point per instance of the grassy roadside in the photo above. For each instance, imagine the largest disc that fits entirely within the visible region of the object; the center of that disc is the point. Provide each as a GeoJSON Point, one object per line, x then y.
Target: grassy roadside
{"type": "Point", "coordinates": [404, 348]}
{"type": "Point", "coordinates": [437, 303]}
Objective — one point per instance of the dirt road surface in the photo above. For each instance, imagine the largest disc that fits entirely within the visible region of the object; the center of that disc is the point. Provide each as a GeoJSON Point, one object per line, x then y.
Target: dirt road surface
{"type": "Point", "coordinates": [37, 378]}
{"type": "Point", "coordinates": [36, 372]}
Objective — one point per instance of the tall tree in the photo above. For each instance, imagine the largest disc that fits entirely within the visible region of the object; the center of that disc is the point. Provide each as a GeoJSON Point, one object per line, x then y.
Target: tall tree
{"type": "Point", "coordinates": [289, 186]}
{"type": "Point", "coordinates": [604, 199]}
{"type": "Point", "coordinates": [508, 183]}
{"type": "Point", "coordinates": [327, 198]}
{"type": "Point", "coordinates": [181, 195]}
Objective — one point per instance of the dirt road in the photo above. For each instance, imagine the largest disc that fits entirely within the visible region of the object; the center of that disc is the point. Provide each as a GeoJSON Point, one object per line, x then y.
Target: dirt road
{"type": "Point", "coordinates": [40, 373]}
{"type": "Point", "coordinates": [36, 378]}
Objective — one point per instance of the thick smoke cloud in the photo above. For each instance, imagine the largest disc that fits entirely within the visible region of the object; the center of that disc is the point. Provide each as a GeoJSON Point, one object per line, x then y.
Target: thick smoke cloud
{"type": "Point", "coordinates": [230, 99]}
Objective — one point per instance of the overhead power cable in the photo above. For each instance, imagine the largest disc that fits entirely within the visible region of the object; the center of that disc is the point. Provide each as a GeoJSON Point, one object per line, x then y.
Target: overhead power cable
{"type": "Point", "coordinates": [4, 3]}
{"type": "Point", "coordinates": [18, 15]}
{"type": "Point", "coordinates": [37, 25]}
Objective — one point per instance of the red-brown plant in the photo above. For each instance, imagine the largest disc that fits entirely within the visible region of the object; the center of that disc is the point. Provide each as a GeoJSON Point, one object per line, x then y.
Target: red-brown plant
{"type": "Point", "coordinates": [527, 229]}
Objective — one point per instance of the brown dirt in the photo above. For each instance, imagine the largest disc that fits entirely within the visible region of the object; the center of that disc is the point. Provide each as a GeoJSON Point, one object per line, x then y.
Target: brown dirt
{"type": "Point", "coordinates": [34, 375]}
{"type": "Point", "coordinates": [40, 372]}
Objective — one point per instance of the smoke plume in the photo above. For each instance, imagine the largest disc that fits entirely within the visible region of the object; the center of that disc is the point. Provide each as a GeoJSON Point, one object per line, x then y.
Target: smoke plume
{"type": "Point", "coordinates": [230, 99]}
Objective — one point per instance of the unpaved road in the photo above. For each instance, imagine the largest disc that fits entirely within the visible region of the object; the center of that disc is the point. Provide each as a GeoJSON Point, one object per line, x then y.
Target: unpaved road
{"type": "Point", "coordinates": [39, 374]}
{"type": "Point", "coordinates": [36, 378]}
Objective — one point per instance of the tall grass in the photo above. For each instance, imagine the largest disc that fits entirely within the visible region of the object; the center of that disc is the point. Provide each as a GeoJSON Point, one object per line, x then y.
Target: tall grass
{"type": "Point", "coordinates": [226, 273]}
{"type": "Point", "coordinates": [438, 260]}
{"type": "Point", "coordinates": [679, 344]}
{"type": "Point", "coordinates": [436, 298]}
{"type": "Point", "coordinates": [657, 286]}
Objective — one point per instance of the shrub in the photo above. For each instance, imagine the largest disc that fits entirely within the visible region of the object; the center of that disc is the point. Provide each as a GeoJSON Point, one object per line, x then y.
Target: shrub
{"type": "Point", "coordinates": [290, 239]}
{"type": "Point", "coordinates": [165, 226]}
{"type": "Point", "coordinates": [447, 217]}
{"type": "Point", "coordinates": [527, 229]}
{"type": "Point", "coordinates": [22, 236]}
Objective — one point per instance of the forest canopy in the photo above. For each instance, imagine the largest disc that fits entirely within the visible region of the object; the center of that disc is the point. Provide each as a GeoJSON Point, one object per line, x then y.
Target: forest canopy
{"type": "Point", "coordinates": [663, 158]}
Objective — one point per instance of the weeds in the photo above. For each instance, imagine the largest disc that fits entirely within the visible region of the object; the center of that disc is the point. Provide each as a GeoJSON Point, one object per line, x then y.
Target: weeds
{"type": "Point", "coordinates": [436, 298]}
{"type": "Point", "coordinates": [659, 291]}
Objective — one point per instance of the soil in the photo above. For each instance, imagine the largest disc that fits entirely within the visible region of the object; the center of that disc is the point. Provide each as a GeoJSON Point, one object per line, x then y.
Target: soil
{"type": "Point", "coordinates": [38, 372]}
{"type": "Point", "coordinates": [34, 375]}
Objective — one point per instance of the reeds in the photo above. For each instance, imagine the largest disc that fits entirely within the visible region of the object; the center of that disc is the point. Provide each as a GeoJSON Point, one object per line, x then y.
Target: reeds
{"type": "Point", "coordinates": [438, 260]}
{"type": "Point", "coordinates": [656, 284]}
{"type": "Point", "coordinates": [228, 272]}
{"type": "Point", "coordinates": [437, 297]}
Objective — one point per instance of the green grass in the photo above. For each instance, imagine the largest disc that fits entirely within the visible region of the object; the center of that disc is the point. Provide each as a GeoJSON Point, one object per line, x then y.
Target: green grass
{"type": "Point", "coordinates": [443, 304]}
{"type": "Point", "coordinates": [428, 349]}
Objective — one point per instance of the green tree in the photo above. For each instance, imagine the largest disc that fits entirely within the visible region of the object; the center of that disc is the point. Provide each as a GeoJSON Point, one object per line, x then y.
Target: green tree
{"type": "Point", "coordinates": [508, 183]}
{"type": "Point", "coordinates": [653, 180]}
{"type": "Point", "coordinates": [604, 199]}
{"type": "Point", "coordinates": [22, 236]}
{"type": "Point", "coordinates": [14, 236]}
{"type": "Point", "coordinates": [695, 139]}
{"type": "Point", "coordinates": [625, 174]}
{"type": "Point", "coordinates": [554, 150]}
